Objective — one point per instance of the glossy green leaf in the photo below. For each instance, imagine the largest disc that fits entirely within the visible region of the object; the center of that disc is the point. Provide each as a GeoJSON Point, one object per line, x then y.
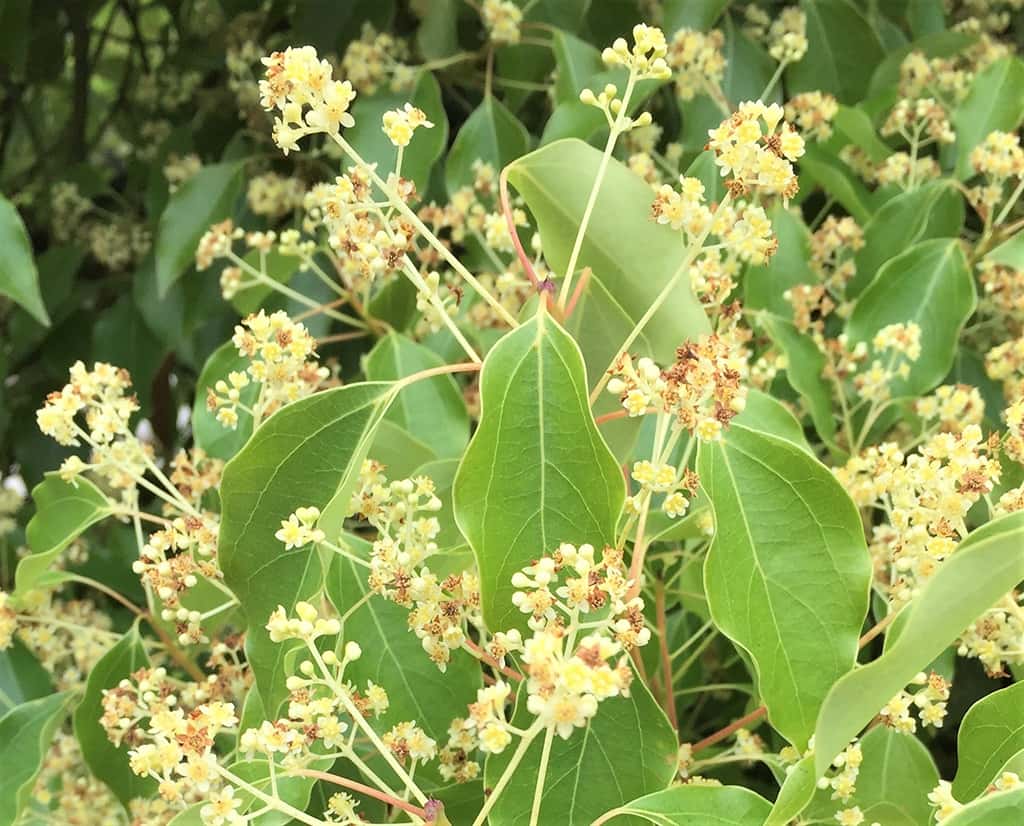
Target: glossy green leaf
{"type": "Point", "coordinates": [491, 134]}
{"type": "Point", "coordinates": [627, 751]}
{"type": "Point", "coordinates": [64, 510]}
{"type": "Point", "coordinates": [577, 62]}
{"type": "Point", "coordinates": [787, 573]}
{"type": "Point", "coordinates": [1010, 253]}
{"type": "Point", "coordinates": [306, 454]}
{"type": "Point", "coordinates": [217, 440]}
{"type": "Point", "coordinates": [695, 805]}
{"type": "Point", "coordinates": [986, 565]}
{"type": "Point", "coordinates": [207, 198]}
{"type": "Point", "coordinates": [22, 677]}
{"type": "Point", "coordinates": [26, 733]}
{"type": "Point", "coordinates": [929, 284]}
{"type": "Point", "coordinates": [994, 102]}
{"type": "Point", "coordinates": [437, 36]}
{"type": "Point", "coordinates": [795, 794]}
{"type": "Point", "coordinates": [857, 127]}
{"type": "Point", "coordinates": [393, 657]}
{"type": "Point", "coordinates": [991, 732]}
{"type": "Point", "coordinates": [838, 180]}
{"type": "Point", "coordinates": [842, 50]}
{"type": "Point", "coordinates": [399, 451]}
{"type": "Point", "coordinates": [426, 147]}
{"type": "Point", "coordinates": [767, 414]}
{"type": "Point", "coordinates": [19, 279]}
{"type": "Point", "coordinates": [432, 410]}
{"type": "Point", "coordinates": [537, 472]}
{"type": "Point", "coordinates": [900, 222]}
{"type": "Point", "coordinates": [106, 761]}
{"type": "Point", "coordinates": [998, 809]}
{"type": "Point", "coordinates": [895, 779]}
{"type": "Point", "coordinates": [691, 14]}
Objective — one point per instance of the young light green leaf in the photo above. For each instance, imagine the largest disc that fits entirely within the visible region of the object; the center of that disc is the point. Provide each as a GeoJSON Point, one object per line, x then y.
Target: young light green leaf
{"type": "Point", "coordinates": [691, 805]}
{"type": "Point", "coordinates": [593, 771]}
{"type": "Point", "coordinates": [986, 565]}
{"type": "Point", "coordinates": [895, 778]}
{"type": "Point", "coordinates": [795, 795]}
{"type": "Point", "coordinates": [931, 285]}
{"type": "Point", "coordinates": [996, 809]}
{"type": "Point", "coordinates": [307, 454]}
{"type": "Point", "coordinates": [426, 147]}
{"type": "Point", "coordinates": [64, 510]}
{"type": "Point", "coordinates": [106, 761]}
{"type": "Point", "coordinates": [842, 50]}
{"type": "Point", "coordinates": [393, 657]}
{"type": "Point", "coordinates": [991, 732]}
{"type": "Point", "coordinates": [491, 134]}
{"type": "Point", "coordinates": [1010, 253]}
{"type": "Point", "coordinates": [537, 472]}
{"type": "Point", "coordinates": [205, 199]}
{"type": "Point", "coordinates": [900, 222]}
{"type": "Point", "coordinates": [632, 258]}
{"type": "Point", "coordinates": [432, 410]}
{"type": "Point", "coordinates": [787, 574]}
{"type": "Point", "coordinates": [993, 102]}
{"type": "Point", "coordinates": [19, 279]}
{"type": "Point", "coordinates": [25, 736]}
{"type": "Point", "coordinates": [399, 450]}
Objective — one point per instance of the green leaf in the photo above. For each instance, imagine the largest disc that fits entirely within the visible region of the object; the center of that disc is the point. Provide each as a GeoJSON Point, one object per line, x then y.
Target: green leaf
{"type": "Point", "coordinates": [936, 44]}
{"type": "Point", "coordinates": [628, 750]}
{"type": "Point", "coordinates": [693, 805]}
{"type": "Point", "coordinates": [1010, 253]}
{"type": "Point", "coordinates": [106, 761]}
{"type": "Point", "coordinates": [438, 35]}
{"type": "Point", "coordinates": [930, 284]}
{"type": "Point", "coordinates": [491, 134]}
{"type": "Point", "coordinates": [766, 414]}
{"type": "Point", "coordinates": [64, 510]}
{"type": "Point", "coordinates": [838, 180]}
{"type": "Point", "coordinates": [432, 410]}
{"type": "Point", "coordinates": [26, 733]}
{"type": "Point", "coordinates": [399, 451]}
{"type": "Point", "coordinates": [210, 435]}
{"type": "Point", "coordinates": [691, 14]}
{"type": "Point", "coordinates": [393, 657]}
{"type": "Point", "coordinates": [893, 785]}
{"type": "Point", "coordinates": [795, 795]}
{"type": "Point", "coordinates": [631, 257]}
{"type": "Point", "coordinates": [787, 574]}
{"type": "Point", "coordinates": [280, 268]}
{"type": "Point", "coordinates": [994, 102]}
{"type": "Point", "coordinates": [22, 678]}
{"type": "Point", "coordinates": [307, 454]}
{"type": "Point", "coordinates": [537, 472]}
{"type": "Point", "coordinates": [842, 50]}
{"type": "Point", "coordinates": [900, 222]}
{"type": "Point", "coordinates": [986, 566]}
{"type": "Point", "coordinates": [205, 199]}
{"type": "Point", "coordinates": [994, 809]}
{"type": "Point", "coordinates": [577, 62]}
{"type": "Point", "coordinates": [19, 279]}
{"type": "Point", "coordinates": [858, 129]}
{"type": "Point", "coordinates": [991, 732]}
{"type": "Point", "coordinates": [369, 140]}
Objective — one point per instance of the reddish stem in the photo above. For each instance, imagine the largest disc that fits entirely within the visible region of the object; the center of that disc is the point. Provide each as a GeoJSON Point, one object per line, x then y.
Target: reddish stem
{"type": "Point", "coordinates": [483, 656]}
{"type": "Point", "coordinates": [506, 208]}
{"type": "Point", "coordinates": [362, 788]}
{"type": "Point", "coordinates": [576, 293]}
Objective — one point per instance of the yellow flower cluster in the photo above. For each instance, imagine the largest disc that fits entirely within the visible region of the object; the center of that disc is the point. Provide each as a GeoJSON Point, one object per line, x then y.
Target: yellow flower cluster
{"type": "Point", "coordinates": [902, 170]}
{"type": "Point", "coordinates": [696, 57]}
{"type": "Point", "coordinates": [952, 407]}
{"type": "Point", "coordinates": [440, 607]}
{"type": "Point", "coordinates": [173, 556]}
{"type": "Point", "coordinates": [996, 638]}
{"type": "Point", "coordinates": [1002, 295]}
{"type": "Point", "coordinates": [180, 168]}
{"type": "Point", "coordinates": [812, 114]}
{"type": "Point", "coordinates": [306, 625]}
{"type": "Point", "coordinates": [833, 246]}
{"type": "Point", "coordinates": [282, 361]}
{"type": "Point", "coordinates": [929, 700]}
{"type": "Point", "coordinates": [702, 390]}
{"type": "Point", "coordinates": [999, 156]}
{"type": "Point", "coordinates": [216, 243]}
{"type": "Point", "coordinates": [750, 151]}
{"type": "Point", "coordinates": [902, 343]}
{"type": "Point", "coordinates": [399, 124]}
{"type": "Point", "coordinates": [299, 529]}
{"type": "Point", "coordinates": [912, 119]}
{"type": "Point", "coordinates": [502, 19]}
{"type": "Point", "coordinates": [787, 36]}
{"type": "Point", "coordinates": [647, 57]}
{"type": "Point", "coordinates": [663, 479]}
{"type": "Point", "coordinates": [369, 61]}
{"type": "Point", "coordinates": [296, 79]}
{"type": "Point", "coordinates": [942, 800]}
{"type": "Point", "coordinates": [274, 195]}
{"type": "Point", "coordinates": [1005, 363]}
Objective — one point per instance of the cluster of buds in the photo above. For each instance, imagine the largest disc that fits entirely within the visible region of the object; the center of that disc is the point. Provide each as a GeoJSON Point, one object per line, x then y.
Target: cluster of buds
{"type": "Point", "coordinates": [1005, 363]}
{"type": "Point", "coordinates": [647, 57]}
{"type": "Point", "coordinates": [929, 700]}
{"type": "Point", "coordinates": [999, 159]}
{"type": "Point", "coordinates": [180, 168]}
{"type": "Point", "coordinates": [833, 246]}
{"type": "Point", "coordinates": [787, 36]}
{"type": "Point", "coordinates": [665, 480]}
{"type": "Point", "coordinates": [608, 101]}
{"type": "Point", "coordinates": [812, 114]}
{"type": "Point", "coordinates": [194, 473]}
{"type": "Point", "coordinates": [400, 124]}
{"type": "Point", "coordinates": [296, 79]}
{"type": "Point", "coordinates": [996, 639]}
{"type": "Point", "coordinates": [752, 154]}
{"type": "Point", "coordinates": [375, 59]}
{"type": "Point", "coordinates": [502, 19]}
{"type": "Point", "coordinates": [698, 62]}
{"type": "Point", "coordinates": [812, 305]}
{"type": "Point", "coordinates": [845, 769]}
{"type": "Point", "coordinates": [173, 556]}
{"type": "Point", "coordinates": [911, 119]}
{"type": "Point", "coordinates": [900, 346]}
{"type": "Point", "coordinates": [1002, 295]}
{"type": "Point", "coordinates": [282, 361]}
{"type": "Point", "coordinates": [926, 496]}
{"type": "Point", "coordinates": [702, 390]}
{"type": "Point", "coordinates": [274, 195]}
{"type": "Point", "coordinates": [403, 512]}
{"type": "Point", "coordinates": [952, 407]}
